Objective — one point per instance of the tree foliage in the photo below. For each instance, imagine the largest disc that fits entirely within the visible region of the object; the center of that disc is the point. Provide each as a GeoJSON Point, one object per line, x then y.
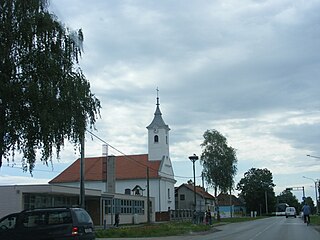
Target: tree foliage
{"type": "Point", "coordinates": [254, 186]}
{"type": "Point", "coordinates": [219, 161]}
{"type": "Point", "coordinates": [44, 96]}
{"type": "Point", "coordinates": [288, 198]}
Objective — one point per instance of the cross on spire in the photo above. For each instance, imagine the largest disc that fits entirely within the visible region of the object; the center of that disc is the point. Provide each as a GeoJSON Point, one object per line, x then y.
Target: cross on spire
{"type": "Point", "coordinates": [157, 96]}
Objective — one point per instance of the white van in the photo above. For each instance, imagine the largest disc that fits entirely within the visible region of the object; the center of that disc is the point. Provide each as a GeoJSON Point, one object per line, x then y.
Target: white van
{"type": "Point", "coordinates": [291, 212]}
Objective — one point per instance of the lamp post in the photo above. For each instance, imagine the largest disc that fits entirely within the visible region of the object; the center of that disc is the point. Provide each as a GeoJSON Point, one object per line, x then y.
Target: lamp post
{"type": "Point", "coordinates": [315, 188]}
{"type": "Point", "coordinates": [193, 159]}
{"type": "Point", "coordinates": [308, 155]}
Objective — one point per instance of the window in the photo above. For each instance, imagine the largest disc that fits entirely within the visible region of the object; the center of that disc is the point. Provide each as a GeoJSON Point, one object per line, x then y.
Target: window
{"type": "Point", "coordinates": [156, 138]}
{"type": "Point", "coordinates": [169, 196]}
{"type": "Point", "coordinates": [129, 206]}
{"type": "Point", "coordinates": [9, 222]}
{"type": "Point", "coordinates": [182, 197]}
{"type": "Point", "coordinates": [34, 219]}
{"type": "Point", "coordinates": [108, 204]}
{"type": "Point", "coordinates": [127, 191]}
{"type": "Point", "coordinates": [59, 217]}
{"type": "Point", "coordinates": [83, 216]}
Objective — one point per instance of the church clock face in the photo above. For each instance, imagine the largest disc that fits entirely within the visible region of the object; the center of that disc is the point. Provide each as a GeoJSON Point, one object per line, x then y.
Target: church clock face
{"type": "Point", "coordinates": [155, 130]}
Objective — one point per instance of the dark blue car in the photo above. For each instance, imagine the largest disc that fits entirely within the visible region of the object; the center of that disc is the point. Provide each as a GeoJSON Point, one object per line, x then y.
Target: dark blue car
{"type": "Point", "coordinates": [47, 224]}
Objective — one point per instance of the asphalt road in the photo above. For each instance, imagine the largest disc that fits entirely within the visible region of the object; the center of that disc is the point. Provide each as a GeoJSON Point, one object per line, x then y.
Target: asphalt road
{"type": "Point", "coordinates": [274, 228]}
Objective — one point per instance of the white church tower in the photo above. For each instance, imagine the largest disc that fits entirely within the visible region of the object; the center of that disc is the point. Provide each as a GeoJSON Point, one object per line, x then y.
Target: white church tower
{"type": "Point", "coordinates": [158, 150]}
{"type": "Point", "coordinates": [158, 136]}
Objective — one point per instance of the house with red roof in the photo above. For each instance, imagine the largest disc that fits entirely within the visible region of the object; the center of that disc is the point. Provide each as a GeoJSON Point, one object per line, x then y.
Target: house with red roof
{"type": "Point", "coordinates": [131, 174]}
{"type": "Point", "coordinates": [184, 197]}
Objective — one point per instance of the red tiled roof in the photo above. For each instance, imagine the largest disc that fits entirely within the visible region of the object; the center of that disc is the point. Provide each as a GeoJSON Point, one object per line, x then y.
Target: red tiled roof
{"type": "Point", "coordinates": [127, 167]}
{"type": "Point", "coordinates": [199, 190]}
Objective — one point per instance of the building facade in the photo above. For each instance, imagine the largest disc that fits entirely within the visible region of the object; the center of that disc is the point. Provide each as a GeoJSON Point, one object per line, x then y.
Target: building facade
{"type": "Point", "coordinates": [131, 174]}
{"type": "Point", "coordinates": [184, 198]}
{"type": "Point", "coordinates": [101, 206]}
{"type": "Point", "coordinates": [230, 206]}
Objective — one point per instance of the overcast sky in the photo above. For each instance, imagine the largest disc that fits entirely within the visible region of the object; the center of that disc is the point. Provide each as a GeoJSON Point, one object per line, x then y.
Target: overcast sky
{"type": "Point", "coordinates": [249, 69]}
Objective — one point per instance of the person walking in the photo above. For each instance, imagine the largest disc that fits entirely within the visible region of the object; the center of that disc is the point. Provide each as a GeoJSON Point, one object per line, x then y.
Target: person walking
{"type": "Point", "coordinates": [116, 220]}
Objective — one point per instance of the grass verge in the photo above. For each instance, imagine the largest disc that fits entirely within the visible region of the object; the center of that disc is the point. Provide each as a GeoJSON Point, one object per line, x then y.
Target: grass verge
{"type": "Point", "coordinates": [315, 220]}
{"type": "Point", "coordinates": [161, 229]}
{"type": "Point", "coordinates": [152, 230]}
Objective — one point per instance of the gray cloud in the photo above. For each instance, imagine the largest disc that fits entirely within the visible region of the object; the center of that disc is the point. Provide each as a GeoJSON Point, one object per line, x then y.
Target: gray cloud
{"type": "Point", "coordinates": [249, 69]}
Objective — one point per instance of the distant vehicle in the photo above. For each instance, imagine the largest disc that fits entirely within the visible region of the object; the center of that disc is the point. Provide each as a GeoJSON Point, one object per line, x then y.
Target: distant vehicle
{"type": "Point", "coordinates": [291, 212]}
{"type": "Point", "coordinates": [48, 223]}
{"type": "Point", "coordinates": [281, 209]}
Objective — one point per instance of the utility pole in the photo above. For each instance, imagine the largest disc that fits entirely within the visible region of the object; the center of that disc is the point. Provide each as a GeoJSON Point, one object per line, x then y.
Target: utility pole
{"type": "Point", "coordinates": [148, 196]}
{"type": "Point", "coordinates": [82, 167]}
{"type": "Point", "coordinates": [266, 197]}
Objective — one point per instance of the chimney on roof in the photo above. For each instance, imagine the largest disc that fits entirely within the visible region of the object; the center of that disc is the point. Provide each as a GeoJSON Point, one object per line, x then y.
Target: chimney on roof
{"type": "Point", "coordinates": [110, 170]}
{"type": "Point", "coordinates": [105, 150]}
{"type": "Point", "coordinates": [111, 174]}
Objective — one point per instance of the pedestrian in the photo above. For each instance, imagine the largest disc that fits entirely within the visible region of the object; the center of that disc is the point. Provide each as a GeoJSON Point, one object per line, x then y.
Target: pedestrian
{"type": "Point", "coordinates": [209, 216]}
{"type": "Point", "coordinates": [116, 220]}
{"type": "Point", "coordinates": [306, 213]}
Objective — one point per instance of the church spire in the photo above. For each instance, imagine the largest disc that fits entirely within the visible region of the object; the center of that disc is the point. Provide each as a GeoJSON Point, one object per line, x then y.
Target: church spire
{"type": "Point", "coordinates": [158, 136]}
{"type": "Point", "coordinates": [157, 121]}
{"type": "Point", "coordinates": [158, 96]}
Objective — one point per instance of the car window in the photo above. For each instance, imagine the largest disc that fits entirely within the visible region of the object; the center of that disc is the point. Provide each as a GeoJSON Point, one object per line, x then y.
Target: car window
{"type": "Point", "coordinates": [59, 217]}
{"type": "Point", "coordinates": [8, 223]}
{"type": "Point", "coordinates": [34, 219]}
{"type": "Point", "coordinates": [83, 216]}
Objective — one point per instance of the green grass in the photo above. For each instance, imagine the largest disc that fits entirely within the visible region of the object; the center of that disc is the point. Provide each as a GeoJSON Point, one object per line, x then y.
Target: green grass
{"type": "Point", "coordinates": [153, 230]}
{"type": "Point", "coordinates": [315, 220]}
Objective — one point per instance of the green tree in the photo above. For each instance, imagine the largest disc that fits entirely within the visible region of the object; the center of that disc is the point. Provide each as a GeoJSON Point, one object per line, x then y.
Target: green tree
{"type": "Point", "coordinates": [44, 96]}
{"type": "Point", "coordinates": [287, 197]}
{"type": "Point", "coordinates": [219, 161]}
{"type": "Point", "coordinates": [255, 186]}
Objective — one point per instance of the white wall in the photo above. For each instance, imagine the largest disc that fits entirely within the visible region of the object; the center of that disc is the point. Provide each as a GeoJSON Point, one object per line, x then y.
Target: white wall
{"type": "Point", "coordinates": [10, 200]}
{"type": "Point", "coordinates": [158, 190]}
{"type": "Point", "coordinates": [157, 150]}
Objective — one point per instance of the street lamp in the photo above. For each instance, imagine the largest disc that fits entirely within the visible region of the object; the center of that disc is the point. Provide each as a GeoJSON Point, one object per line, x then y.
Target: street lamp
{"type": "Point", "coordinates": [315, 188]}
{"type": "Point", "coordinates": [308, 155]}
{"type": "Point", "coordinates": [193, 159]}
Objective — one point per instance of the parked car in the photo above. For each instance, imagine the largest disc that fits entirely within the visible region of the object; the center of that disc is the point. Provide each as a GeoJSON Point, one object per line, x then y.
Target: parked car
{"type": "Point", "coordinates": [48, 223]}
{"type": "Point", "coordinates": [291, 212]}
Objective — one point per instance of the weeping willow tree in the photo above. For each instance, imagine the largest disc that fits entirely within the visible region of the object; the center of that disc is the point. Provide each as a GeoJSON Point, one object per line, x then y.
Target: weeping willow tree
{"type": "Point", "coordinates": [45, 99]}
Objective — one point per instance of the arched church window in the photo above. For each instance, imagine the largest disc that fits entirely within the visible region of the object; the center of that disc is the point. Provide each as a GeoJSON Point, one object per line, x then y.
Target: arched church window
{"type": "Point", "coordinates": [156, 138]}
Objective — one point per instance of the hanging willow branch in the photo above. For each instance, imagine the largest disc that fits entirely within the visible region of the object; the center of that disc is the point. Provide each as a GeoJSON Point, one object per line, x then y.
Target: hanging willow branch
{"type": "Point", "coordinates": [44, 96]}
